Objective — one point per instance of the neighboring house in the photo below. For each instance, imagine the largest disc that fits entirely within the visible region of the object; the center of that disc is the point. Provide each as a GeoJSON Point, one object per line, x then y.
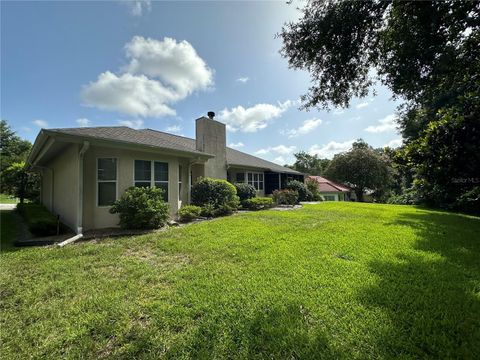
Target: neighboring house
{"type": "Point", "coordinates": [332, 191]}
{"type": "Point", "coordinates": [84, 170]}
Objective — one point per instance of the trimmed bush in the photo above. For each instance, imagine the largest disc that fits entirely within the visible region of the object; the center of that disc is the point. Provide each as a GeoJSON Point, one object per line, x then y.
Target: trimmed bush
{"type": "Point", "coordinates": [258, 203]}
{"type": "Point", "coordinates": [303, 193]}
{"type": "Point", "coordinates": [189, 212]}
{"type": "Point", "coordinates": [141, 208]}
{"type": "Point", "coordinates": [313, 186]}
{"type": "Point", "coordinates": [285, 197]}
{"type": "Point", "coordinates": [40, 221]}
{"type": "Point", "coordinates": [216, 197]}
{"type": "Point", "coordinates": [245, 191]}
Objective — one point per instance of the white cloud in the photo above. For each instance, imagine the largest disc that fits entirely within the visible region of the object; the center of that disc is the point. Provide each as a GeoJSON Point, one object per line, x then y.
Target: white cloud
{"type": "Point", "coordinates": [137, 7]}
{"type": "Point", "coordinates": [83, 122]}
{"type": "Point", "coordinates": [236, 145]}
{"type": "Point", "coordinates": [330, 149]}
{"type": "Point", "coordinates": [394, 143]}
{"type": "Point", "coordinates": [386, 124]}
{"type": "Point", "coordinates": [174, 129]}
{"type": "Point", "coordinates": [40, 123]}
{"type": "Point", "coordinates": [159, 74]}
{"type": "Point", "coordinates": [253, 118]}
{"type": "Point", "coordinates": [280, 149]}
{"type": "Point", "coordinates": [243, 79]}
{"type": "Point", "coordinates": [362, 105]}
{"type": "Point", "coordinates": [338, 111]}
{"type": "Point", "coordinates": [134, 124]}
{"type": "Point", "coordinates": [279, 160]}
{"type": "Point", "coordinates": [307, 126]}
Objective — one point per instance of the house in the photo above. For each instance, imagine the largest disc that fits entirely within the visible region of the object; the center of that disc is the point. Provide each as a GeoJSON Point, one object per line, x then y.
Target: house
{"type": "Point", "coordinates": [332, 191]}
{"type": "Point", "coordinates": [84, 170]}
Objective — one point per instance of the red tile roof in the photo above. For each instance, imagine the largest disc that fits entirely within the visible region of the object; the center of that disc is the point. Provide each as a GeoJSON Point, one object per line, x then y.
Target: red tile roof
{"type": "Point", "coordinates": [328, 185]}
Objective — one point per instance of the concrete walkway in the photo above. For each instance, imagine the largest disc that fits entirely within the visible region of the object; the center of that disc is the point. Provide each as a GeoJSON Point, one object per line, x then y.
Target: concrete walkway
{"type": "Point", "coordinates": [8, 206]}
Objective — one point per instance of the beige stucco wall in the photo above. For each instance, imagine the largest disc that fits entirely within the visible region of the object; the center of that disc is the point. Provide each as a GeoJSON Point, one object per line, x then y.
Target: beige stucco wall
{"type": "Point", "coordinates": [210, 138]}
{"type": "Point", "coordinates": [65, 190]}
{"type": "Point", "coordinates": [99, 217]}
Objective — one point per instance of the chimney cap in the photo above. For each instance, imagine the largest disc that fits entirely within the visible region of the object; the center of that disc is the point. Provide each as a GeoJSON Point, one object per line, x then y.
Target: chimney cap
{"type": "Point", "coordinates": [211, 114]}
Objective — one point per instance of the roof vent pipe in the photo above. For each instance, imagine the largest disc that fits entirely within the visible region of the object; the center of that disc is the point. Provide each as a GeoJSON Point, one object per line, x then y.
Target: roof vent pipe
{"type": "Point", "coordinates": [211, 114]}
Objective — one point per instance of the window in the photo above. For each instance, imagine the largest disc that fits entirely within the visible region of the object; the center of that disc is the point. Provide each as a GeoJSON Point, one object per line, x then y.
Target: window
{"type": "Point", "coordinates": [143, 175]}
{"type": "Point", "coordinates": [329, 197]}
{"type": "Point", "coordinates": [240, 177]}
{"type": "Point", "coordinates": [106, 181]}
{"type": "Point", "coordinates": [256, 180]}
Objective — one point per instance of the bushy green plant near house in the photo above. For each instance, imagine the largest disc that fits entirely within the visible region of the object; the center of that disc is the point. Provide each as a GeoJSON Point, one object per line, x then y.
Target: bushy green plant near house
{"type": "Point", "coordinates": [314, 188]}
{"type": "Point", "coordinates": [189, 212]}
{"type": "Point", "coordinates": [303, 193]}
{"type": "Point", "coordinates": [40, 221]}
{"type": "Point", "coordinates": [469, 202]}
{"type": "Point", "coordinates": [258, 203]}
{"type": "Point", "coordinates": [245, 191]}
{"type": "Point", "coordinates": [285, 197]}
{"type": "Point", "coordinates": [216, 197]}
{"type": "Point", "coordinates": [141, 208]}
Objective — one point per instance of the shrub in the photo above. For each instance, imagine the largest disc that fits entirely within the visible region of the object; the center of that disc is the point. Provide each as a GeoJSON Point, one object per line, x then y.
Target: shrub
{"type": "Point", "coordinates": [285, 197]}
{"type": "Point", "coordinates": [314, 188]}
{"type": "Point", "coordinates": [258, 203]}
{"type": "Point", "coordinates": [189, 212]}
{"type": "Point", "coordinates": [469, 202]}
{"type": "Point", "coordinates": [303, 193]}
{"type": "Point", "coordinates": [409, 197]}
{"type": "Point", "coordinates": [216, 197]}
{"type": "Point", "coordinates": [40, 221]}
{"type": "Point", "coordinates": [245, 191]}
{"type": "Point", "coordinates": [141, 208]}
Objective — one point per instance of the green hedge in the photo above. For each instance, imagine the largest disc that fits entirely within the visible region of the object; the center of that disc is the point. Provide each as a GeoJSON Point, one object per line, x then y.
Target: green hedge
{"type": "Point", "coordinates": [189, 212]}
{"type": "Point", "coordinates": [40, 221]}
{"type": "Point", "coordinates": [258, 203]}
{"type": "Point", "coordinates": [216, 197]}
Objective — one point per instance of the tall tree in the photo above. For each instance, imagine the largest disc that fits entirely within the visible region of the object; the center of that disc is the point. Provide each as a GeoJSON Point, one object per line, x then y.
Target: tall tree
{"type": "Point", "coordinates": [427, 53]}
{"type": "Point", "coordinates": [12, 148]}
{"type": "Point", "coordinates": [309, 164]}
{"type": "Point", "coordinates": [362, 168]}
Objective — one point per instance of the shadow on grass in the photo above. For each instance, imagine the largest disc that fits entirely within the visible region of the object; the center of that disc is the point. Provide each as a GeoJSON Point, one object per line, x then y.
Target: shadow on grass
{"type": "Point", "coordinates": [431, 294]}
{"type": "Point", "coordinates": [283, 332]}
{"type": "Point", "coordinates": [8, 231]}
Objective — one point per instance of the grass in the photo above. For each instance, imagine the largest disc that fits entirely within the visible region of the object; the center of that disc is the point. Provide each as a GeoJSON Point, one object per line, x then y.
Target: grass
{"type": "Point", "coordinates": [7, 199]}
{"type": "Point", "coordinates": [334, 280]}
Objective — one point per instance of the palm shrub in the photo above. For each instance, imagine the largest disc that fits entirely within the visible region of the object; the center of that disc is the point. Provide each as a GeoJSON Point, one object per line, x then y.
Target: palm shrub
{"type": "Point", "coordinates": [216, 197]}
{"type": "Point", "coordinates": [141, 208]}
{"type": "Point", "coordinates": [303, 193]}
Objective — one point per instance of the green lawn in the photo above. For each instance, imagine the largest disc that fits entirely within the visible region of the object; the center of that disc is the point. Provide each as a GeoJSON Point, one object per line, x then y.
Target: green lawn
{"type": "Point", "coordinates": [7, 199]}
{"type": "Point", "coordinates": [334, 280]}
{"type": "Point", "coordinates": [8, 231]}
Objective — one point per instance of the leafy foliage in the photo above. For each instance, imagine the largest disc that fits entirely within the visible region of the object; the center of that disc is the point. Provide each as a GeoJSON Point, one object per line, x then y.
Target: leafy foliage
{"type": "Point", "coordinates": [361, 168]}
{"type": "Point", "coordinates": [314, 188]}
{"type": "Point", "coordinates": [309, 164]}
{"type": "Point", "coordinates": [285, 197]}
{"type": "Point", "coordinates": [258, 203]}
{"type": "Point", "coordinates": [428, 54]}
{"type": "Point", "coordinates": [216, 197]}
{"type": "Point", "coordinates": [303, 193]}
{"type": "Point", "coordinates": [21, 183]}
{"type": "Point", "coordinates": [141, 208]}
{"type": "Point", "coordinates": [189, 212]}
{"type": "Point", "coordinates": [245, 191]}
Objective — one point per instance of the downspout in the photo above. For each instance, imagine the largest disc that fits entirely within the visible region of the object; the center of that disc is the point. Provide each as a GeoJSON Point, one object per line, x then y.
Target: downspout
{"type": "Point", "coordinates": [81, 154]}
{"type": "Point", "coordinates": [79, 231]}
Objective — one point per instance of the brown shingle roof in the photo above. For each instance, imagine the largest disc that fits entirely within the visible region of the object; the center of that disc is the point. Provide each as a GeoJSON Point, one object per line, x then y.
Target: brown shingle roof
{"type": "Point", "coordinates": [165, 140]}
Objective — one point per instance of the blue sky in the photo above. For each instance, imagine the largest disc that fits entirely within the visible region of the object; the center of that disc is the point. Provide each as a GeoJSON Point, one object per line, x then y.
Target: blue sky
{"type": "Point", "coordinates": [162, 64]}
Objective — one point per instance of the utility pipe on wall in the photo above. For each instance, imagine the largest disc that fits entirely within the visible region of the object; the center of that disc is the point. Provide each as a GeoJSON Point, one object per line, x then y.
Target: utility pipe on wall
{"type": "Point", "coordinates": [81, 154]}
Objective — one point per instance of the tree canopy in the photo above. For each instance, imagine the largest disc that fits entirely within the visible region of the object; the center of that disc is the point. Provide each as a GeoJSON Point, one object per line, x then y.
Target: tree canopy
{"type": "Point", "coordinates": [309, 164]}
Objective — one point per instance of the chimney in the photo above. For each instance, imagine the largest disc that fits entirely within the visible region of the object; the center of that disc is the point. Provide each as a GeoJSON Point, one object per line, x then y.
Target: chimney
{"type": "Point", "coordinates": [211, 138]}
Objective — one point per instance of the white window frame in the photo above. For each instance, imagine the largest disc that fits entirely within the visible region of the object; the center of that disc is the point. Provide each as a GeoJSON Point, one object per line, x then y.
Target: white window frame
{"type": "Point", "coordinates": [152, 174]}
{"type": "Point", "coordinates": [258, 181]}
{"type": "Point", "coordinates": [104, 181]}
